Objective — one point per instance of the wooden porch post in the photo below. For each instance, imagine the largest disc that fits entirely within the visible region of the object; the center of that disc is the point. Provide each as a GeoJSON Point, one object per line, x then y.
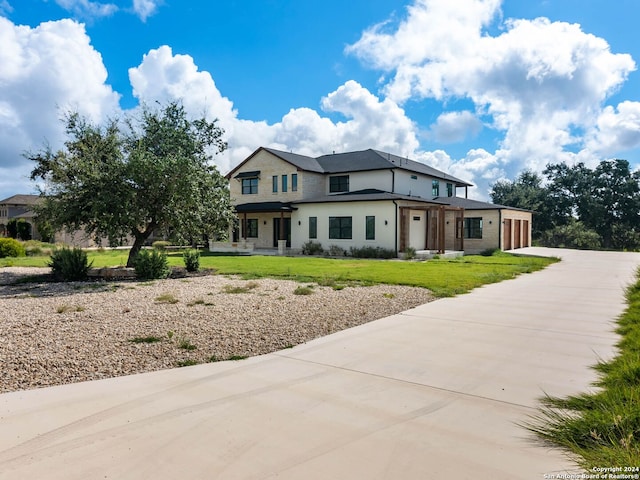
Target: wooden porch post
{"type": "Point", "coordinates": [441, 232]}
{"type": "Point", "coordinates": [281, 233]}
{"type": "Point", "coordinates": [244, 226]}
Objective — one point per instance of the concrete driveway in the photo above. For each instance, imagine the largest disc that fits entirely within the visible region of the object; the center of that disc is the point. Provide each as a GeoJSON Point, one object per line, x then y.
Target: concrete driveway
{"type": "Point", "coordinates": [433, 392]}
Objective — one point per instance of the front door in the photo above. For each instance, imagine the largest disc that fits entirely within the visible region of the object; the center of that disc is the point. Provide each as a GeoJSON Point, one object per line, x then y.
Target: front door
{"type": "Point", "coordinates": [276, 231]}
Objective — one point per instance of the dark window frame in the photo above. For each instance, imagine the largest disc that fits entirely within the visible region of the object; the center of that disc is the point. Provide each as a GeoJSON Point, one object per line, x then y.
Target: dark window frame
{"type": "Point", "coordinates": [339, 183]}
{"type": "Point", "coordinates": [340, 228]}
{"type": "Point", "coordinates": [252, 228]}
{"type": "Point", "coordinates": [285, 184]}
{"type": "Point", "coordinates": [274, 184]}
{"type": "Point", "coordinates": [313, 227]}
{"type": "Point", "coordinates": [250, 186]}
{"type": "Point", "coordinates": [370, 227]}
{"type": "Point", "coordinates": [435, 188]}
{"type": "Point", "coordinates": [294, 182]}
{"type": "Point", "coordinates": [473, 227]}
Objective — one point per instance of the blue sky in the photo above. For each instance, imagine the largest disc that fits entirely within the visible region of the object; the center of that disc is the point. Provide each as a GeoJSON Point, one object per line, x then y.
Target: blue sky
{"type": "Point", "coordinates": [479, 88]}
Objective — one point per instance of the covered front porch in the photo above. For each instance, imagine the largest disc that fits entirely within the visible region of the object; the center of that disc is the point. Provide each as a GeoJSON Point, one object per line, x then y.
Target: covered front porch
{"type": "Point", "coordinates": [431, 229]}
{"type": "Point", "coordinates": [264, 226]}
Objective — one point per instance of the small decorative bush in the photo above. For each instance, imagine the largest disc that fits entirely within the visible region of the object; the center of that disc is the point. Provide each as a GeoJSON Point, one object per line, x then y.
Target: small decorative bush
{"type": "Point", "coordinates": [336, 251]}
{"type": "Point", "coordinates": [10, 247]}
{"type": "Point", "coordinates": [69, 265]}
{"type": "Point", "coordinates": [191, 260]}
{"type": "Point", "coordinates": [160, 245]}
{"type": "Point", "coordinates": [372, 252]}
{"type": "Point", "coordinates": [151, 265]}
{"type": "Point", "coordinates": [312, 248]}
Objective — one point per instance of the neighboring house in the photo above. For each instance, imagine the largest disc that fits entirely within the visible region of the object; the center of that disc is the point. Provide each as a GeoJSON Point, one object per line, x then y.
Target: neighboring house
{"type": "Point", "coordinates": [21, 206]}
{"type": "Point", "coordinates": [364, 198]}
{"type": "Point", "coordinates": [17, 207]}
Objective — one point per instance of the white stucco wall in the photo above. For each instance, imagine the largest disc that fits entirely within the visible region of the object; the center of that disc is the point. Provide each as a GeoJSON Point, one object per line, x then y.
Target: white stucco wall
{"type": "Point", "coordinates": [379, 179]}
{"type": "Point", "coordinates": [382, 211]}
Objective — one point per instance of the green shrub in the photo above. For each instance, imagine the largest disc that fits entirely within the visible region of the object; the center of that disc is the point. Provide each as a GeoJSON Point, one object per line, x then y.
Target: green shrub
{"type": "Point", "coordinates": [409, 253]}
{"type": "Point", "coordinates": [34, 248]}
{"type": "Point", "coordinates": [10, 247]}
{"type": "Point", "coordinates": [372, 252]}
{"type": "Point", "coordinates": [151, 264]}
{"type": "Point", "coordinates": [191, 260]}
{"type": "Point", "coordinates": [312, 248]}
{"type": "Point", "coordinates": [160, 245]}
{"type": "Point", "coordinates": [69, 265]}
{"type": "Point", "coordinates": [336, 251]}
{"type": "Point", "coordinates": [303, 291]}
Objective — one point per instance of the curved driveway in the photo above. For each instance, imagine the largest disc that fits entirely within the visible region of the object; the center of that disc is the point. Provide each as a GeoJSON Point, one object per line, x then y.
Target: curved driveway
{"type": "Point", "coordinates": [433, 392]}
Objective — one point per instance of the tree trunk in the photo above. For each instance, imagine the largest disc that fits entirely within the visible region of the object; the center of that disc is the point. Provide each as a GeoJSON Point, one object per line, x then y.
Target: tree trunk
{"type": "Point", "coordinates": [140, 238]}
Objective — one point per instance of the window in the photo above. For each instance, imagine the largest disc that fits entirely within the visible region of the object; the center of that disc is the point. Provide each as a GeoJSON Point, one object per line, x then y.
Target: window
{"type": "Point", "coordinates": [284, 183]}
{"type": "Point", "coordinates": [294, 182]}
{"type": "Point", "coordinates": [473, 227]}
{"type": "Point", "coordinates": [252, 228]}
{"type": "Point", "coordinates": [370, 228]}
{"type": "Point", "coordinates": [449, 189]}
{"type": "Point", "coordinates": [249, 186]}
{"type": "Point", "coordinates": [313, 227]}
{"type": "Point", "coordinates": [339, 183]}
{"type": "Point", "coordinates": [435, 188]}
{"type": "Point", "coordinates": [340, 227]}
{"type": "Point", "coordinates": [274, 181]}
{"type": "Point", "coordinates": [414, 177]}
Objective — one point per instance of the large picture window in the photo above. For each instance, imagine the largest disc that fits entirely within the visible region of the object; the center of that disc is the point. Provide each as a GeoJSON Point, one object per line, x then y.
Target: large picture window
{"type": "Point", "coordinates": [340, 228]}
{"type": "Point", "coordinates": [249, 186]}
{"type": "Point", "coordinates": [473, 227]}
{"type": "Point", "coordinates": [313, 227]}
{"type": "Point", "coordinates": [339, 183]}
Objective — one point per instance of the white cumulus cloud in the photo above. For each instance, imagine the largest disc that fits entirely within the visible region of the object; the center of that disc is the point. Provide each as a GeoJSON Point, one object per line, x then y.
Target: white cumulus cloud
{"type": "Point", "coordinates": [451, 127]}
{"type": "Point", "coordinates": [541, 84]}
{"type": "Point", "coordinates": [145, 8]}
{"type": "Point", "coordinates": [88, 9]}
{"type": "Point", "coordinates": [46, 71]}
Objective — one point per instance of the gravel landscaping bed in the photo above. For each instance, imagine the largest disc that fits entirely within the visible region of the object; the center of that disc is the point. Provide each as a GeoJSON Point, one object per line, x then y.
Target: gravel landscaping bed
{"type": "Point", "coordinates": [56, 333]}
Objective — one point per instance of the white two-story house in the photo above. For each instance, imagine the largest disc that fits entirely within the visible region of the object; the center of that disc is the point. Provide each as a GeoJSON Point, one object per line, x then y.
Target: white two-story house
{"type": "Point", "coordinates": [364, 198]}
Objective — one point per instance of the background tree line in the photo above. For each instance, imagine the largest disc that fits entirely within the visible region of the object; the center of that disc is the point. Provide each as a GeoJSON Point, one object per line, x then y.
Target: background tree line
{"type": "Point", "coordinates": [579, 207]}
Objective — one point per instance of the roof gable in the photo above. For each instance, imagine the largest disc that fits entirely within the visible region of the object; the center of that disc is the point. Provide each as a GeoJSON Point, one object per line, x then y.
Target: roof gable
{"type": "Point", "coordinates": [21, 200]}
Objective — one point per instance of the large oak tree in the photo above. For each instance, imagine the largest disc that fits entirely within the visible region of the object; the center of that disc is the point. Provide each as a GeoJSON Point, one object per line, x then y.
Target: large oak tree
{"type": "Point", "coordinates": [129, 179]}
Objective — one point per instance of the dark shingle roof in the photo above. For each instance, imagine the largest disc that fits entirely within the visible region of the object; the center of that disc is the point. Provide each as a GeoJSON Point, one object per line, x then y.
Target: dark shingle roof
{"type": "Point", "coordinates": [21, 200]}
{"type": "Point", "coordinates": [370, 194]}
{"type": "Point", "coordinates": [469, 204]}
{"type": "Point", "coordinates": [301, 161]}
{"type": "Point", "coordinates": [360, 161]}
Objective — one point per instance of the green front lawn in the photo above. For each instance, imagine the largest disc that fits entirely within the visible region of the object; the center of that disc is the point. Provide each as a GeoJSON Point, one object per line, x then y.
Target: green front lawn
{"type": "Point", "coordinates": [443, 277]}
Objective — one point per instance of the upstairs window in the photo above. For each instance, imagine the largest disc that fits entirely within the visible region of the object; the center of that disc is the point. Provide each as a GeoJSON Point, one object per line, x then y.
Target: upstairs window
{"type": "Point", "coordinates": [274, 181]}
{"type": "Point", "coordinates": [249, 186]}
{"type": "Point", "coordinates": [294, 182]}
{"type": "Point", "coordinates": [473, 227]}
{"type": "Point", "coordinates": [449, 189]}
{"type": "Point", "coordinates": [435, 188]}
{"type": "Point", "coordinates": [339, 183]}
{"type": "Point", "coordinates": [285, 185]}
